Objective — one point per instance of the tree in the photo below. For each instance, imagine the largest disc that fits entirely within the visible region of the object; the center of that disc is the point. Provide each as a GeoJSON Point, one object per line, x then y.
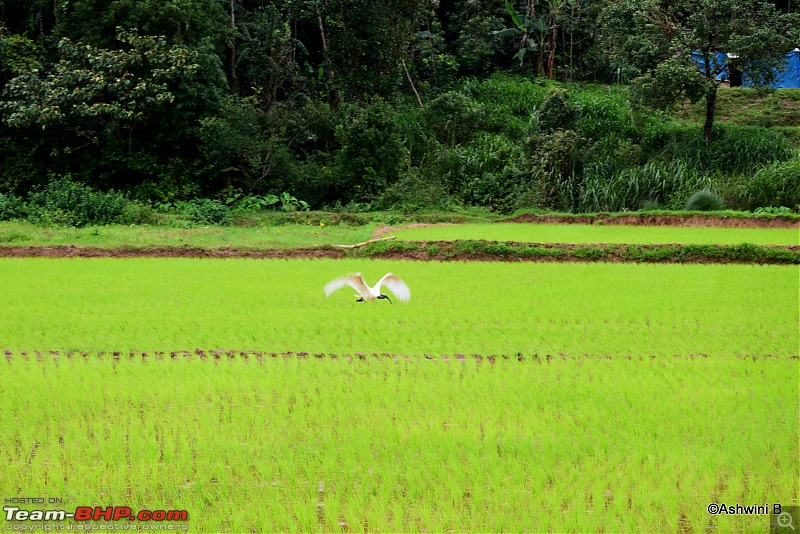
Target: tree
{"type": "Point", "coordinates": [677, 48]}
{"type": "Point", "coordinates": [114, 112]}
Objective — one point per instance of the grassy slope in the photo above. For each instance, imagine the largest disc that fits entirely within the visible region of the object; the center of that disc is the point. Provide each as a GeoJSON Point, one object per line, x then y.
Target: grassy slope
{"type": "Point", "coordinates": [779, 109]}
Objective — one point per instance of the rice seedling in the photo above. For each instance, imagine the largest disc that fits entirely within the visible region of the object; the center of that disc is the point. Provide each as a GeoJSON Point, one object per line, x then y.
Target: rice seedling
{"type": "Point", "coordinates": [407, 444]}
{"type": "Point", "coordinates": [591, 233]}
{"type": "Point", "coordinates": [279, 305]}
{"type": "Point", "coordinates": [140, 236]}
{"type": "Point", "coordinates": [569, 432]}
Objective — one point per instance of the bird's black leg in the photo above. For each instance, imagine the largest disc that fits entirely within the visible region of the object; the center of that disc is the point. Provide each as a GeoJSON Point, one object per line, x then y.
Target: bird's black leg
{"type": "Point", "coordinates": [360, 300]}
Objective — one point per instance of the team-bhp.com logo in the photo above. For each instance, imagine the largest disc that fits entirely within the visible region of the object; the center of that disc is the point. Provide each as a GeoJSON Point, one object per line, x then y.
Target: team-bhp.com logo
{"type": "Point", "coordinates": [88, 513]}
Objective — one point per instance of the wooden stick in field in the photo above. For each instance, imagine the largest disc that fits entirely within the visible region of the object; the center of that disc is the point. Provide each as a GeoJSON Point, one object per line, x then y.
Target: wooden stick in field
{"type": "Point", "coordinates": [367, 242]}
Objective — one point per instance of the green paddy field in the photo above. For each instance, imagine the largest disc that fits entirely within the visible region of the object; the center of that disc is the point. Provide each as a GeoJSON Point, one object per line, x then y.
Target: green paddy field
{"type": "Point", "coordinates": [505, 396]}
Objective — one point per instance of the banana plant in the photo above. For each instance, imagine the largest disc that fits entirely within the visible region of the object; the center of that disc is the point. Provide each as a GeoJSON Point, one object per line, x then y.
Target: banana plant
{"type": "Point", "coordinates": [525, 27]}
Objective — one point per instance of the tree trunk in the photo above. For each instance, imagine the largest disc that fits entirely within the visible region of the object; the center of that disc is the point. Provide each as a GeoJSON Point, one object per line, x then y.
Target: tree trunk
{"type": "Point", "coordinates": [332, 92]}
{"type": "Point", "coordinates": [234, 79]}
{"type": "Point", "coordinates": [551, 53]}
{"type": "Point", "coordinates": [711, 104]}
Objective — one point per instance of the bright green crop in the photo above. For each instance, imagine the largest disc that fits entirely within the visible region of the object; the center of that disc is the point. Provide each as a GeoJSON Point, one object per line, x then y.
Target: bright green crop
{"type": "Point", "coordinates": [320, 445]}
{"type": "Point", "coordinates": [583, 233]}
{"type": "Point", "coordinates": [501, 308]}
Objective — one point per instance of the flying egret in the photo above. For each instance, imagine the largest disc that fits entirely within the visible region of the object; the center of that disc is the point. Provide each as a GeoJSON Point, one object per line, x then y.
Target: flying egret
{"type": "Point", "coordinates": [356, 281]}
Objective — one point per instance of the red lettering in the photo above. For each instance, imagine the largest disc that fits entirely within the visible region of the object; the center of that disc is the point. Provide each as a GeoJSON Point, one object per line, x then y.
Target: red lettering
{"type": "Point", "coordinates": [106, 514]}
{"type": "Point", "coordinates": [177, 515]}
{"type": "Point", "coordinates": [120, 512]}
{"type": "Point", "coordinates": [83, 513]}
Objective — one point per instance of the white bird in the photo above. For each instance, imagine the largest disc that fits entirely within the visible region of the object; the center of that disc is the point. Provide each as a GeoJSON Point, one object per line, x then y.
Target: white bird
{"type": "Point", "coordinates": [356, 281]}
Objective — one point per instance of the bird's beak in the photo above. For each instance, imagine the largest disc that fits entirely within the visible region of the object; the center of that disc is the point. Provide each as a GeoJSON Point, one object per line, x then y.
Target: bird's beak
{"type": "Point", "coordinates": [387, 298]}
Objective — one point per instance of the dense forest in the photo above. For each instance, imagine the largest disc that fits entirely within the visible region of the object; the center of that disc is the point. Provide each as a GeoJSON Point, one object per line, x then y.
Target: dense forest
{"type": "Point", "coordinates": [392, 104]}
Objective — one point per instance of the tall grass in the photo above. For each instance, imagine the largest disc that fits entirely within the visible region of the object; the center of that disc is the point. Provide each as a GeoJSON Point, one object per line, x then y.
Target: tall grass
{"type": "Point", "coordinates": [776, 184]}
{"type": "Point", "coordinates": [604, 114]}
{"type": "Point", "coordinates": [734, 150]}
{"type": "Point", "coordinates": [606, 187]}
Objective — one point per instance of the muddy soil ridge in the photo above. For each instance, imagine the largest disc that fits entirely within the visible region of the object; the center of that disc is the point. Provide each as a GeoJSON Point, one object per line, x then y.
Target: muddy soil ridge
{"type": "Point", "coordinates": [450, 251]}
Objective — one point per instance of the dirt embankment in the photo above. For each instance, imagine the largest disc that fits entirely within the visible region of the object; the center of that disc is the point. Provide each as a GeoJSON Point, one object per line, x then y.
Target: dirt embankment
{"type": "Point", "coordinates": [71, 251]}
{"type": "Point", "coordinates": [454, 251]}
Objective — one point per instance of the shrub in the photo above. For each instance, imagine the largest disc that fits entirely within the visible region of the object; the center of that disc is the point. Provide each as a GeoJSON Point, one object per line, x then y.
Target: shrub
{"type": "Point", "coordinates": [604, 114]}
{"type": "Point", "coordinates": [372, 153]}
{"type": "Point", "coordinates": [705, 201]}
{"type": "Point", "coordinates": [487, 172]}
{"type": "Point", "coordinates": [415, 191]}
{"type": "Point", "coordinates": [453, 117]}
{"type": "Point", "coordinates": [12, 207]}
{"type": "Point", "coordinates": [69, 203]}
{"type": "Point", "coordinates": [557, 112]}
{"type": "Point", "coordinates": [777, 184]}
{"type": "Point", "coordinates": [206, 211]}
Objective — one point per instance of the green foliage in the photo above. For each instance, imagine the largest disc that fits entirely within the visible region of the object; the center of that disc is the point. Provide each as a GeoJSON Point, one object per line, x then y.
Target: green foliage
{"type": "Point", "coordinates": [415, 191]}
{"type": "Point", "coordinates": [268, 55]}
{"type": "Point", "coordinates": [775, 184]}
{"type": "Point", "coordinates": [205, 211]}
{"type": "Point", "coordinates": [372, 155]}
{"type": "Point", "coordinates": [366, 42]}
{"type": "Point", "coordinates": [18, 55]}
{"type": "Point", "coordinates": [12, 207]}
{"type": "Point", "coordinates": [735, 149]}
{"type": "Point", "coordinates": [486, 172]}
{"type": "Point", "coordinates": [92, 83]}
{"type": "Point", "coordinates": [453, 117]}
{"type": "Point", "coordinates": [609, 188]}
{"type": "Point", "coordinates": [183, 22]}
{"type": "Point", "coordinates": [65, 202]}
{"type": "Point", "coordinates": [290, 203]}
{"type": "Point", "coordinates": [557, 112]}
{"type": "Point", "coordinates": [478, 47]}
{"type": "Point", "coordinates": [772, 210]}
{"type": "Point", "coordinates": [673, 45]}
{"type": "Point", "coordinates": [705, 201]}
{"type": "Point", "coordinates": [602, 114]}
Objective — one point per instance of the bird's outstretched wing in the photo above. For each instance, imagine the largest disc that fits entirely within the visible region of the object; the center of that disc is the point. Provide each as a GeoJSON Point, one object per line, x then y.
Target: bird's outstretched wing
{"type": "Point", "coordinates": [396, 286]}
{"type": "Point", "coordinates": [354, 280]}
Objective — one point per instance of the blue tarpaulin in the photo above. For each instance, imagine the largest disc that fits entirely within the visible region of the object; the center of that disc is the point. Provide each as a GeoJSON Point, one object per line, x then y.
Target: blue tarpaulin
{"type": "Point", "coordinates": [788, 77]}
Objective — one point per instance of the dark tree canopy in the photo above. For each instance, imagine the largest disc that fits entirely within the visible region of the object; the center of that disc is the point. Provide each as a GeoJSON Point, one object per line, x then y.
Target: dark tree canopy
{"type": "Point", "coordinates": [342, 101]}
